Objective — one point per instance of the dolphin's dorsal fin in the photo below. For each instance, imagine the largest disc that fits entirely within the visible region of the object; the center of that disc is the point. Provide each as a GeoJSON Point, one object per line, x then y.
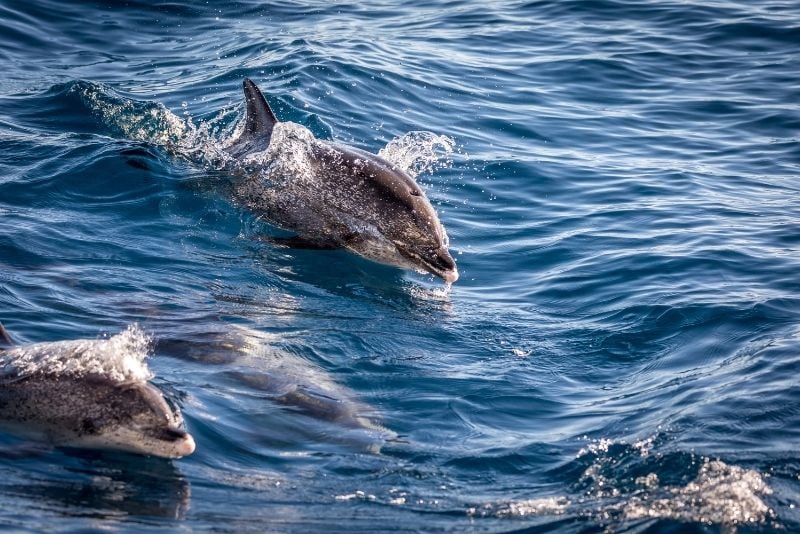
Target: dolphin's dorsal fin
{"type": "Point", "coordinates": [260, 118]}
{"type": "Point", "coordinates": [5, 337]}
{"type": "Point", "coordinates": [258, 124]}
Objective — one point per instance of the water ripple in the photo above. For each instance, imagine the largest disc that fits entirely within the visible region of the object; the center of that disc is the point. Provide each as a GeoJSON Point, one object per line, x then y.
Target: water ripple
{"type": "Point", "coordinates": [619, 184]}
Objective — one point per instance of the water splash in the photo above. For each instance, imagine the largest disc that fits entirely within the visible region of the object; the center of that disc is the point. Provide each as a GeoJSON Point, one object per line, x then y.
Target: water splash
{"type": "Point", "coordinates": [120, 358]}
{"type": "Point", "coordinates": [288, 153]}
{"type": "Point", "coordinates": [544, 506]}
{"type": "Point", "coordinates": [719, 494]}
{"type": "Point", "coordinates": [433, 294]}
{"type": "Point", "coordinates": [139, 121]}
{"type": "Point", "coordinates": [420, 152]}
{"type": "Point", "coordinates": [153, 123]}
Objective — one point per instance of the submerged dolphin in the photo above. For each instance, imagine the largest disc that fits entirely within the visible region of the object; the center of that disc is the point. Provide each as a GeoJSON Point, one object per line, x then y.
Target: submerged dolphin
{"type": "Point", "coordinates": [284, 378]}
{"type": "Point", "coordinates": [335, 196]}
{"type": "Point", "coordinates": [86, 410]}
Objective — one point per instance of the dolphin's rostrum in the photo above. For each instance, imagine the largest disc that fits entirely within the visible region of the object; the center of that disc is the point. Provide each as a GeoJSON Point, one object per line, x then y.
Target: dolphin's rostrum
{"type": "Point", "coordinates": [336, 196]}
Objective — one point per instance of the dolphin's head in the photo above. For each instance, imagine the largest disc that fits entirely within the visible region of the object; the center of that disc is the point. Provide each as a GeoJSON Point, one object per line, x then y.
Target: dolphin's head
{"type": "Point", "coordinates": [419, 237]}
{"type": "Point", "coordinates": [133, 417]}
{"type": "Point", "coordinates": [93, 411]}
{"type": "Point", "coordinates": [409, 233]}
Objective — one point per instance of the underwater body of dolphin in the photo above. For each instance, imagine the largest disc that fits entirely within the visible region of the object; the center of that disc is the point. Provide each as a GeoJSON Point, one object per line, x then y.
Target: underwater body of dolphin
{"type": "Point", "coordinates": [84, 410]}
{"type": "Point", "coordinates": [285, 379]}
{"type": "Point", "coordinates": [335, 196]}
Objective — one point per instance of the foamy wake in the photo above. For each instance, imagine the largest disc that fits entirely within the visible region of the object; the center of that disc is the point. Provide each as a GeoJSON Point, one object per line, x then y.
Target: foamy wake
{"type": "Point", "coordinates": [121, 357]}
{"type": "Point", "coordinates": [721, 494]}
{"type": "Point", "coordinates": [153, 123]}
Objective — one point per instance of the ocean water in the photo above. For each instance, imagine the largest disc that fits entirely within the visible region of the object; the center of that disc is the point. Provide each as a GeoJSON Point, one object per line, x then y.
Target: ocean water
{"type": "Point", "coordinates": [619, 181]}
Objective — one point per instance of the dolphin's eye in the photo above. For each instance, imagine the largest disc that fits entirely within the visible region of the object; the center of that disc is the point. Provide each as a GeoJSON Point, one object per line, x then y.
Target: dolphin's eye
{"type": "Point", "coordinates": [88, 427]}
{"type": "Point", "coordinates": [414, 193]}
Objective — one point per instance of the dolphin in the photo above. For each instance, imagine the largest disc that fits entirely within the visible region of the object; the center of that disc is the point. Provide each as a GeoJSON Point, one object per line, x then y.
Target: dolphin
{"type": "Point", "coordinates": [336, 196]}
{"type": "Point", "coordinates": [85, 410]}
{"type": "Point", "coordinates": [283, 378]}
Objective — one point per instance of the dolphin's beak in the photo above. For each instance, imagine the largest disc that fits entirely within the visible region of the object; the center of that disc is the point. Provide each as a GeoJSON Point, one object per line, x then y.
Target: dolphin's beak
{"type": "Point", "coordinates": [451, 276]}
{"type": "Point", "coordinates": [185, 447]}
{"type": "Point", "coordinates": [181, 442]}
{"type": "Point", "coordinates": [438, 262]}
{"type": "Point", "coordinates": [444, 265]}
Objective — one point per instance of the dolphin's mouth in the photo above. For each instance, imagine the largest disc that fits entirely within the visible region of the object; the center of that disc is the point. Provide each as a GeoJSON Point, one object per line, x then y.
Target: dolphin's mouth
{"type": "Point", "coordinates": [178, 442]}
{"type": "Point", "coordinates": [439, 262]}
{"type": "Point", "coordinates": [185, 446]}
{"type": "Point", "coordinates": [170, 442]}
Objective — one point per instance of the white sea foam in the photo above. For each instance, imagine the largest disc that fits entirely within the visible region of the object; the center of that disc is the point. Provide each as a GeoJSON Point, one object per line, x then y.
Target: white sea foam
{"type": "Point", "coordinates": [720, 494]}
{"type": "Point", "coordinates": [152, 123]}
{"type": "Point", "coordinates": [120, 358]}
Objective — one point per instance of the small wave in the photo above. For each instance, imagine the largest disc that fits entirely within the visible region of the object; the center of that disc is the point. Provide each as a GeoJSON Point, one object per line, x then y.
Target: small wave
{"type": "Point", "coordinates": [121, 357]}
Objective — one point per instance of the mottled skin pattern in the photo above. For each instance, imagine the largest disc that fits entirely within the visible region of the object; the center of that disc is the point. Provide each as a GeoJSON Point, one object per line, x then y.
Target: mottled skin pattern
{"type": "Point", "coordinates": [348, 198]}
{"type": "Point", "coordinates": [93, 412]}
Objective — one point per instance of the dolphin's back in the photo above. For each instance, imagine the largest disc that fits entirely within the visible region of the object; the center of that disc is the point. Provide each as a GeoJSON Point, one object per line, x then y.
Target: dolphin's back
{"type": "Point", "coordinates": [363, 168]}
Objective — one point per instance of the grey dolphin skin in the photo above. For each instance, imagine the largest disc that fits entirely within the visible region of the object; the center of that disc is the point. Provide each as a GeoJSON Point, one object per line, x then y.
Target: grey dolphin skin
{"type": "Point", "coordinates": [356, 200]}
{"type": "Point", "coordinates": [89, 411]}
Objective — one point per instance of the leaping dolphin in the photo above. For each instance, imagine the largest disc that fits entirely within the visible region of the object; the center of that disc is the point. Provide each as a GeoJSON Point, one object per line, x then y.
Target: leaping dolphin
{"type": "Point", "coordinates": [91, 409]}
{"type": "Point", "coordinates": [336, 196]}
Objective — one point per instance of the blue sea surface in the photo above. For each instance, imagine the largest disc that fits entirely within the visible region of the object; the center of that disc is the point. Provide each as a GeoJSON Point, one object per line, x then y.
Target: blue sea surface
{"type": "Point", "coordinates": [619, 181]}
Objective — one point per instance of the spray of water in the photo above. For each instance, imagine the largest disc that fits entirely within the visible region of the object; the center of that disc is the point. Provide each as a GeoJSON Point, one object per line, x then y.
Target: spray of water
{"type": "Point", "coordinates": [121, 358]}
{"type": "Point", "coordinates": [420, 152]}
